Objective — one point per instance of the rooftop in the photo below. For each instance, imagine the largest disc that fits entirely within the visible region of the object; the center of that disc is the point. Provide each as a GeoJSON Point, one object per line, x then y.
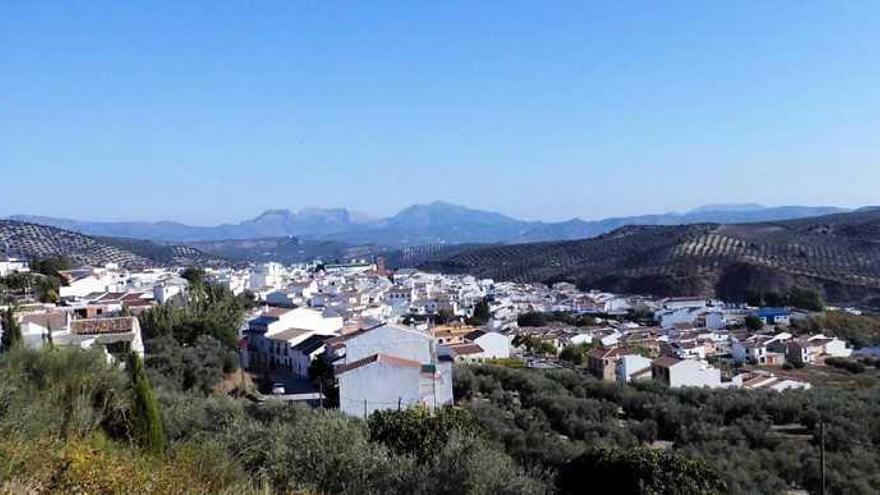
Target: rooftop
{"type": "Point", "coordinates": [53, 320]}
{"type": "Point", "coordinates": [311, 344]}
{"type": "Point", "coordinates": [276, 312]}
{"type": "Point", "coordinates": [288, 335]}
{"type": "Point", "coordinates": [98, 326]}
{"type": "Point", "coordinates": [665, 362]}
{"type": "Point", "coordinates": [378, 358]}
{"type": "Point", "coordinates": [465, 349]}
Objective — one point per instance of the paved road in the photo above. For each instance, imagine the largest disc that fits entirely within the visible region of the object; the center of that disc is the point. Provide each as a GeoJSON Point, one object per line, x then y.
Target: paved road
{"type": "Point", "coordinates": [315, 398]}
{"type": "Point", "coordinates": [292, 383]}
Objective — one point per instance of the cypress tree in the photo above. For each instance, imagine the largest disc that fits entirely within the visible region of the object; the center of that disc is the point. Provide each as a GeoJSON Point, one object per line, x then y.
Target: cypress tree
{"type": "Point", "coordinates": [11, 331]}
{"type": "Point", "coordinates": [147, 419]}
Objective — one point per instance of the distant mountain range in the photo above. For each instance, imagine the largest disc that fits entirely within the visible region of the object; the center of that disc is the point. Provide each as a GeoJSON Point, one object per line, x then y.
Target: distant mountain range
{"type": "Point", "coordinates": [435, 223]}
{"type": "Point", "coordinates": [838, 254]}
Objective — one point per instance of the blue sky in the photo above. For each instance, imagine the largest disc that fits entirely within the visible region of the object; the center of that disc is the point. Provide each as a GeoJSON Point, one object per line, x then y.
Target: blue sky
{"type": "Point", "coordinates": [215, 111]}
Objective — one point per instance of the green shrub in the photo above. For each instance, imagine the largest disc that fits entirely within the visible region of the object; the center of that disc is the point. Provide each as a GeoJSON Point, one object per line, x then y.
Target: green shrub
{"type": "Point", "coordinates": [417, 431]}
{"type": "Point", "coordinates": [146, 419]}
{"type": "Point", "coordinates": [639, 471]}
{"type": "Point", "coordinates": [11, 338]}
{"type": "Point", "coordinates": [855, 367]}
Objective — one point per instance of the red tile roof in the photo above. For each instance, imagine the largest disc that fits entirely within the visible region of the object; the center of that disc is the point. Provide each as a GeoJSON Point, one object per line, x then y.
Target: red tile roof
{"type": "Point", "coordinates": [276, 312]}
{"type": "Point", "coordinates": [138, 302]}
{"type": "Point", "coordinates": [112, 296]}
{"type": "Point", "coordinates": [134, 296]}
{"type": "Point", "coordinates": [666, 362]}
{"type": "Point", "coordinates": [600, 353]}
{"type": "Point", "coordinates": [377, 358]}
{"type": "Point", "coordinates": [96, 326]}
{"type": "Point", "coordinates": [55, 320]}
{"type": "Point", "coordinates": [465, 349]}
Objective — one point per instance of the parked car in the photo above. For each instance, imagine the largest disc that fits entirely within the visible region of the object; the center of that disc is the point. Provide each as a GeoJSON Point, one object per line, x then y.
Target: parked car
{"type": "Point", "coordinates": [278, 389]}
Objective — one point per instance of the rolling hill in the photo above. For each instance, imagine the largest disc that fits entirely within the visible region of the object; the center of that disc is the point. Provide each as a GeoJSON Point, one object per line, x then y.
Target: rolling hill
{"type": "Point", "coordinates": [30, 240]}
{"type": "Point", "coordinates": [838, 254]}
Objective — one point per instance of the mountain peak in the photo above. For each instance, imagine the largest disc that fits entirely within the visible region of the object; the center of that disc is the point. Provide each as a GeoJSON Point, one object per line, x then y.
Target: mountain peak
{"type": "Point", "coordinates": [444, 204]}
{"type": "Point", "coordinates": [435, 206]}
{"type": "Point", "coordinates": [274, 213]}
{"type": "Point", "coordinates": [729, 207]}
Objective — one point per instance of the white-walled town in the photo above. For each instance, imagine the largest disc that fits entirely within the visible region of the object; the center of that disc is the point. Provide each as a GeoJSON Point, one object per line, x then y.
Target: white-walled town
{"type": "Point", "coordinates": [391, 336]}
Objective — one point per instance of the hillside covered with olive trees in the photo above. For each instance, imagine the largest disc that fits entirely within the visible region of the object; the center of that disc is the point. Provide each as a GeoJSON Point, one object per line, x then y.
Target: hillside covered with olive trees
{"type": "Point", "coordinates": [31, 241]}
{"type": "Point", "coordinates": [837, 254]}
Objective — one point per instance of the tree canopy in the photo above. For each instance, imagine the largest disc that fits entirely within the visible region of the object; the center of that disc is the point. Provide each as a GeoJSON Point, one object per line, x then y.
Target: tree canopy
{"type": "Point", "coordinates": [575, 353]}
{"type": "Point", "coordinates": [753, 323]}
{"type": "Point", "coordinates": [860, 330]}
{"type": "Point", "coordinates": [146, 418]}
{"type": "Point", "coordinates": [639, 471]}
{"type": "Point", "coordinates": [207, 310]}
{"type": "Point", "coordinates": [12, 337]}
{"type": "Point", "coordinates": [548, 419]}
{"type": "Point", "coordinates": [192, 344]}
{"type": "Point", "coordinates": [481, 314]}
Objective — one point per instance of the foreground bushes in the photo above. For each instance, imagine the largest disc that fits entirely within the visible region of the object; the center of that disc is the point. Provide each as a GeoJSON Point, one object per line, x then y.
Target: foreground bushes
{"type": "Point", "coordinates": [639, 471]}
{"type": "Point", "coordinates": [70, 423]}
{"type": "Point", "coordinates": [67, 426]}
{"type": "Point", "coordinates": [548, 420]}
{"type": "Point", "coordinates": [97, 465]}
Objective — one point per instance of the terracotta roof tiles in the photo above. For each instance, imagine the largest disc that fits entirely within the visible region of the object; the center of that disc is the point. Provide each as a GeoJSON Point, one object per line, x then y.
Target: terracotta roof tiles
{"type": "Point", "coordinates": [377, 358]}
{"type": "Point", "coordinates": [665, 362]}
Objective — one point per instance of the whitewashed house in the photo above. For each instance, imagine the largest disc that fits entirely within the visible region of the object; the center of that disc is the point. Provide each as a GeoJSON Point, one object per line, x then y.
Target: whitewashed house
{"type": "Point", "coordinates": [716, 320]}
{"type": "Point", "coordinates": [305, 352]}
{"type": "Point", "coordinates": [284, 298]}
{"type": "Point", "coordinates": [581, 338]}
{"type": "Point", "coordinates": [394, 340]}
{"type": "Point", "coordinates": [831, 346]}
{"type": "Point", "coordinates": [464, 352]}
{"type": "Point", "coordinates": [494, 345]}
{"type": "Point", "coordinates": [759, 349]}
{"type": "Point", "coordinates": [387, 367]}
{"type": "Point", "coordinates": [675, 373]}
{"type": "Point", "coordinates": [807, 350]}
{"type": "Point", "coordinates": [267, 275]}
{"type": "Point", "coordinates": [117, 336]}
{"type": "Point", "coordinates": [695, 302]}
{"type": "Point", "coordinates": [13, 265]}
{"type": "Point", "coordinates": [633, 367]}
{"type": "Point", "coordinates": [273, 336]}
{"type": "Point", "coordinates": [382, 381]}
{"type": "Point", "coordinates": [670, 318]}
{"type": "Point", "coordinates": [168, 288]}
{"type": "Point", "coordinates": [81, 282]}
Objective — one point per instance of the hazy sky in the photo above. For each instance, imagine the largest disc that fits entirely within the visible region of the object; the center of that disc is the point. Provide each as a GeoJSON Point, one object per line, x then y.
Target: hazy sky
{"type": "Point", "coordinates": [216, 111]}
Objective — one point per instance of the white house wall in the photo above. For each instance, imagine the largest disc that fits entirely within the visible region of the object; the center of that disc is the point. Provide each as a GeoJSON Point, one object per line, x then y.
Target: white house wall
{"type": "Point", "coordinates": [495, 346]}
{"type": "Point", "coordinates": [388, 339]}
{"type": "Point", "coordinates": [378, 386]}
